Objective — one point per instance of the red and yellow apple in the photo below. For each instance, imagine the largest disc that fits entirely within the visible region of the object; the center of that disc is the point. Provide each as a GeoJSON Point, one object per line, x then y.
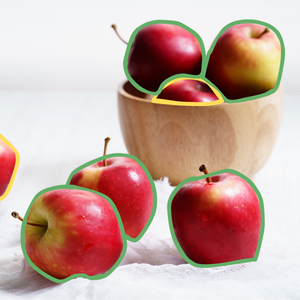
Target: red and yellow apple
{"type": "Point", "coordinates": [72, 231]}
{"type": "Point", "coordinates": [7, 165]}
{"type": "Point", "coordinates": [124, 181]}
{"type": "Point", "coordinates": [188, 90]}
{"type": "Point", "coordinates": [160, 51]}
{"type": "Point", "coordinates": [245, 61]}
{"type": "Point", "coordinates": [217, 219]}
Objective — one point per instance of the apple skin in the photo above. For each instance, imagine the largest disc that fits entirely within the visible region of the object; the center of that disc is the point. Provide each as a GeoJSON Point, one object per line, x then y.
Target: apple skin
{"type": "Point", "coordinates": [7, 165]}
{"type": "Point", "coordinates": [160, 51]}
{"type": "Point", "coordinates": [83, 234]}
{"type": "Point", "coordinates": [245, 61]}
{"type": "Point", "coordinates": [217, 222]}
{"type": "Point", "coordinates": [124, 181]}
{"type": "Point", "coordinates": [188, 90]}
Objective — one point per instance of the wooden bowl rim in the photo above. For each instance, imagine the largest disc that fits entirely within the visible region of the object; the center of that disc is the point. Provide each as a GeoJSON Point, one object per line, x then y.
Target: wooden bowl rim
{"type": "Point", "coordinates": [127, 95]}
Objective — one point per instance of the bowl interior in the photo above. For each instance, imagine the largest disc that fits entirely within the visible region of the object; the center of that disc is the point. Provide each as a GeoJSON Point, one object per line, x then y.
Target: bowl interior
{"type": "Point", "coordinates": [130, 91]}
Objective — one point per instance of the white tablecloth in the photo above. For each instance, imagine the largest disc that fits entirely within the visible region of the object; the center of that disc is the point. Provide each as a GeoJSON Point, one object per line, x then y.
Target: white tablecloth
{"type": "Point", "coordinates": [55, 132]}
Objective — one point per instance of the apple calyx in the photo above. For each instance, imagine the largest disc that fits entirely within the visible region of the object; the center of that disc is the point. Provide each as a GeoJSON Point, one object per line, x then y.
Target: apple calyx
{"type": "Point", "coordinates": [204, 170]}
{"type": "Point", "coordinates": [114, 26]}
{"type": "Point", "coordinates": [17, 216]}
{"type": "Point", "coordinates": [104, 152]}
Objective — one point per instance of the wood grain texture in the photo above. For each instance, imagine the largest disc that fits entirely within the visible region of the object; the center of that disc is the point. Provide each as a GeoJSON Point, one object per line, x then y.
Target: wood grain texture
{"type": "Point", "coordinates": [173, 141]}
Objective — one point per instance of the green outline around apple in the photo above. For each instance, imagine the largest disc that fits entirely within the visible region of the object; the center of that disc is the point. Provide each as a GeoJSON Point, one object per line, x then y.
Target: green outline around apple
{"type": "Point", "coordinates": [95, 277]}
{"type": "Point", "coordinates": [205, 59]}
{"type": "Point", "coordinates": [148, 176]}
{"type": "Point", "coordinates": [262, 226]}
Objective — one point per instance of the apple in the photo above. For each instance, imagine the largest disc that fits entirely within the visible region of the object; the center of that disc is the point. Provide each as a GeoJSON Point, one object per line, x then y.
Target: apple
{"type": "Point", "coordinates": [124, 181]}
{"type": "Point", "coordinates": [188, 90]}
{"type": "Point", "coordinates": [245, 61]}
{"type": "Point", "coordinates": [7, 165]}
{"type": "Point", "coordinates": [72, 231]}
{"type": "Point", "coordinates": [217, 219]}
{"type": "Point", "coordinates": [160, 51]}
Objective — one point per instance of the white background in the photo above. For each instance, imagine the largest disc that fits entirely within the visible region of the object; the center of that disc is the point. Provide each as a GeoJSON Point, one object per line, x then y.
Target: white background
{"type": "Point", "coordinates": [69, 44]}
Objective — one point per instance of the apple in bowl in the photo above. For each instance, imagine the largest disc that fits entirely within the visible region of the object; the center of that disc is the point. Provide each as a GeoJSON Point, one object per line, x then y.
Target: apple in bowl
{"type": "Point", "coordinates": [188, 90]}
{"type": "Point", "coordinates": [161, 50]}
{"type": "Point", "coordinates": [245, 61]}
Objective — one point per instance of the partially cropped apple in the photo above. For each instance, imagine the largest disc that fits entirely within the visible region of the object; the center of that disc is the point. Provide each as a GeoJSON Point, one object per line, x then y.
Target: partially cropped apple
{"type": "Point", "coordinates": [72, 231]}
{"type": "Point", "coordinates": [7, 165]}
{"type": "Point", "coordinates": [124, 181]}
{"type": "Point", "coordinates": [217, 219]}
{"type": "Point", "coordinates": [160, 51]}
{"type": "Point", "coordinates": [245, 61]}
{"type": "Point", "coordinates": [188, 90]}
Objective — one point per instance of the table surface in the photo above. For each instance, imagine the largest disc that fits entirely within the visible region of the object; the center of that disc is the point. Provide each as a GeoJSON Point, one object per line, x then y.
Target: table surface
{"type": "Point", "coordinates": [55, 132]}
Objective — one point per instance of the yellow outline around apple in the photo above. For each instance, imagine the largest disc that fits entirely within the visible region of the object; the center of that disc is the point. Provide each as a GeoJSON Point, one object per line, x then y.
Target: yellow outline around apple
{"type": "Point", "coordinates": [185, 103]}
{"type": "Point", "coordinates": [3, 139]}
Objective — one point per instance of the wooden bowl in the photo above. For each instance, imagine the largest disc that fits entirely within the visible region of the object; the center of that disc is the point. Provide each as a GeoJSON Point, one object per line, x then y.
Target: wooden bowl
{"type": "Point", "coordinates": [173, 141]}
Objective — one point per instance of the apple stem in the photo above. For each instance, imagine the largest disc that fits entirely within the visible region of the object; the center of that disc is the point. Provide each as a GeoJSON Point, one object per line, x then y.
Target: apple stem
{"type": "Point", "coordinates": [17, 216]}
{"type": "Point", "coordinates": [204, 170]}
{"type": "Point", "coordinates": [104, 152]}
{"type": "Point", "coordinates": [114, 26]}
{"type": "Point", "coordinates": [265, 31]}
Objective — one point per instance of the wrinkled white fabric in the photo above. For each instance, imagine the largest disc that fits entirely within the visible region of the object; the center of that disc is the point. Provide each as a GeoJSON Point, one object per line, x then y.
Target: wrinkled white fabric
{"type": "Point", "coordinates": [56, 132]}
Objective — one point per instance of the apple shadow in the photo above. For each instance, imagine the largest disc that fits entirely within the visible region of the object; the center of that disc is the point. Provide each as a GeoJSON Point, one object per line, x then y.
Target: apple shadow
{"type": "Point", "coordinates": [156, 253]}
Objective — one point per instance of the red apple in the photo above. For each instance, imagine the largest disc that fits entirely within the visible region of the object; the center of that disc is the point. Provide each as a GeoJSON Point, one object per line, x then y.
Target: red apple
{"type": "Point", "coordinates": [124, 181]}
{"type": "Point", "coordinates": [7, 165]}
{"type": "Point", "coordinates": [188, 90]}
{"type": "Point", "coordinates": [245, 61]}
{"type": "Point", "coordinates": [160, 51]}
{"type": "Point", "coordinates": [72, 231]}
{"type": "Point", "coordinates": [217, 220]}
